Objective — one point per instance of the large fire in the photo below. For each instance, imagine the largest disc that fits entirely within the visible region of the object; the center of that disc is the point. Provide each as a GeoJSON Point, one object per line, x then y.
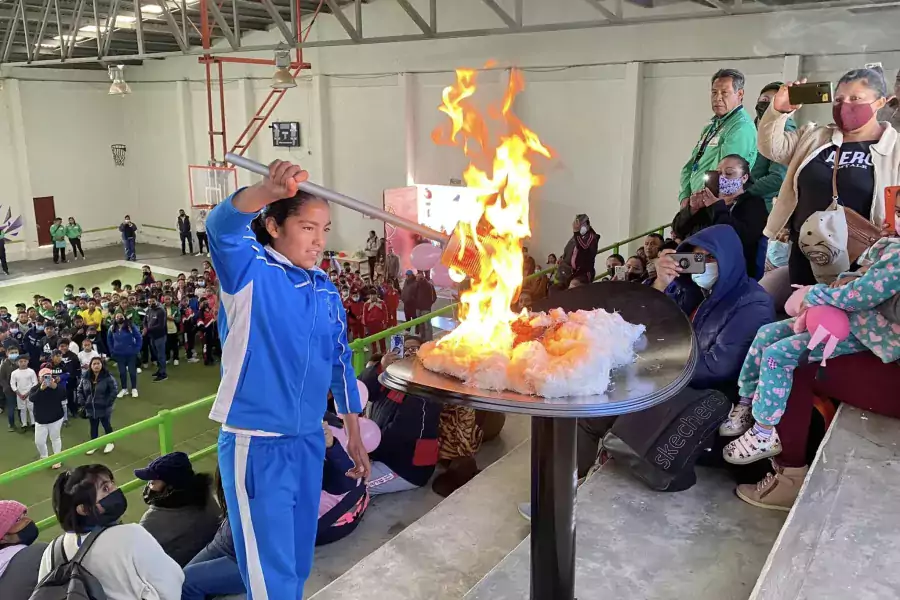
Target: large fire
{"type": "Point", "coordinates": [501, 214]}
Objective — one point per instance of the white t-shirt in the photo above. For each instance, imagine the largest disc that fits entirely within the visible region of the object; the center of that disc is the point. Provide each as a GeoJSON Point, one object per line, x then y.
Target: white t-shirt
{"type": "Point", "coordinates": [22, 380]}
{"type": "Point", "coordinates": [85, 358]}
{"type": "Point", "coordinates": [128, 562]}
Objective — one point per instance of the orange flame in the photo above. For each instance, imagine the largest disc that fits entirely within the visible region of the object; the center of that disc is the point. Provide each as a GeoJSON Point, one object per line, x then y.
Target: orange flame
{"type": "Point", "coordinates": [502, 213]}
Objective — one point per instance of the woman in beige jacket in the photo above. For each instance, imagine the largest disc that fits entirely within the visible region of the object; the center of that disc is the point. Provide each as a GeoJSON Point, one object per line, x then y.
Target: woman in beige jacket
{"type": "Point", "coordinates": [869, 160]}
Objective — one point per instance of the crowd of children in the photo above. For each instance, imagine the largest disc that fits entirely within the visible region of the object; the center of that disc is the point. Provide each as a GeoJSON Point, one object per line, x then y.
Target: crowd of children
{"type": "Point", "coordinates": [54, 354]}
{"type": "Point", "coordinates": [371, 305]}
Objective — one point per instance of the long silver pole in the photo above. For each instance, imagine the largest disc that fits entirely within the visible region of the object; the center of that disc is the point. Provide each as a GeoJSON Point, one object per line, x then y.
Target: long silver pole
{"type": "Point", "coordinates": [345, 201]}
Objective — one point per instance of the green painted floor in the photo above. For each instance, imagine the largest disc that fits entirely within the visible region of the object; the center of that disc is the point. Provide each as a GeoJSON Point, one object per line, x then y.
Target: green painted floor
{"type": "Point", "coordinates": [186, 383]}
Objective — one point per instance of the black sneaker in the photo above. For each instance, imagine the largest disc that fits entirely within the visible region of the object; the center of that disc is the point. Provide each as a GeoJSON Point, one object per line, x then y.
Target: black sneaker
{"type": "Point", "coordinates": [159, 378]}
{"type": "Point", "coordinates": [155, 374]}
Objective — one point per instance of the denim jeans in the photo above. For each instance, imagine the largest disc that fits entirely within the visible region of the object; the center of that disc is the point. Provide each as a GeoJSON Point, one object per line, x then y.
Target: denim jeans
{"type": "Point", "coordinates": [211, 574]}
{"type": "Point", "coordinates": [129, 248]}
{"type": "Point", "coordinates": [158, 349]}
{"type": "Point", "coordinates": [127, 369]}
{"type": "Point", "coordinates": [11, 409]}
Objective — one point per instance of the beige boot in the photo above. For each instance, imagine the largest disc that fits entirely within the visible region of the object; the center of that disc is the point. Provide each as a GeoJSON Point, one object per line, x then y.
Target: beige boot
{"type": "Point", "coordinates": [777, 491]}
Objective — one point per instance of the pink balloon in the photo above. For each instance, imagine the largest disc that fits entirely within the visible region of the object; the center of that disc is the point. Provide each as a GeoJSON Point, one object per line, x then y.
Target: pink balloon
{"type": "Point", "coordinates": [425, 256]}
{"type": "Point", "coordinates": [371, 434]}
{"type": "Point", "coordinates": [440, 276]}
{"type": "Point", "coordinates": [363, 394]}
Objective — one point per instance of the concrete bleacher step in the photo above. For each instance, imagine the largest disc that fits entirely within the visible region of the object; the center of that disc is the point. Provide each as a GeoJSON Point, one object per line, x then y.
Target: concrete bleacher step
{"type": "Point", "coordinates": [842, 538]}
{"type": "Point", "coordinates": [448, 550]}
{"type": "Point", "coordinates": [637, 544]}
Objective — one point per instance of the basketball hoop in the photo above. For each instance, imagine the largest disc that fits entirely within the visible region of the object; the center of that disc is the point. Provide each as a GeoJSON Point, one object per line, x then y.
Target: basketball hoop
{"type": "Point", "coordinates": [118, 152]}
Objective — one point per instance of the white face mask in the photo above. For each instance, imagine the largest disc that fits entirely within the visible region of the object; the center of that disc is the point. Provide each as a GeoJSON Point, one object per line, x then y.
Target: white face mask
{"type": "Point", "coordinates": [583, 230]}
{"type": "Point", "coordinates": [708, 278]}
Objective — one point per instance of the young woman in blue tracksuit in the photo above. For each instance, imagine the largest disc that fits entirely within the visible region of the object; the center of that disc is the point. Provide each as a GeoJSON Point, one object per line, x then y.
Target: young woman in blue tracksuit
{"type": "Point", "coordinates": [276, 378]}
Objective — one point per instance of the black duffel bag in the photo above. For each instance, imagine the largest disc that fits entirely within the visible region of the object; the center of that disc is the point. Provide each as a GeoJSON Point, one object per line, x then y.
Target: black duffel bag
{"type": "Point", "coordinates": [660, 445]}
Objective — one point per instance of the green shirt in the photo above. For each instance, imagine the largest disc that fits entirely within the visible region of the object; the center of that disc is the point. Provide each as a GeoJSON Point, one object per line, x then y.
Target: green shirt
{"type": "Point", "coordinates": [58, 232]}
{"type": "Point", "coordinates": [133, 314]}
{"type": "Point", "coordinates": [733, 133]}
{"type": "Point", "coordinates": [47, 313]}
{"type": "Point", "coordinates": [73, 231]}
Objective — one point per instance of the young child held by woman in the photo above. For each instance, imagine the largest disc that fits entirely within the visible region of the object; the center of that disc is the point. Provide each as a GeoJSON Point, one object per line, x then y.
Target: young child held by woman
{"type": "Point", "coordinates": [767, 374]}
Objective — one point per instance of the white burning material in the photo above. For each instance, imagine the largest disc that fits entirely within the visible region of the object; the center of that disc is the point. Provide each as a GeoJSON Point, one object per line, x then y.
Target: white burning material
{"type": "Point", "coordinates": [555, 354]}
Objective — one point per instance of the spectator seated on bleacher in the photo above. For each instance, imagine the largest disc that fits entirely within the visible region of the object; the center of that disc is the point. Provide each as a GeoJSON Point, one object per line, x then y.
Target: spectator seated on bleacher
{"type": "Point", "coordinates": [732, 206]}
{"type": "Point", "coordinates": [406, 457]}
{"type": "Point", "coordinates": [726, 308]}
{"type": "Point", "coordinates": [20, 555]}
{"type": "Point", "coordinates": [182, 516]}
{"type": "Point", "coordinates": [126, 560]}
{"type": "Point", "coordinates": [343, 500]}
{"type": "Point", "coordinates": [865, 379]}
{"type": "Point", "coordinates": [869, 161]}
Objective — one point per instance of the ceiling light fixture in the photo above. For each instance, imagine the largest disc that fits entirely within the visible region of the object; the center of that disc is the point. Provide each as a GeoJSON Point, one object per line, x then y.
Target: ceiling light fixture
{"type": "Point", "coordinates": [282, 79]}
{"type": "Point", "coordinates": [119, 86]}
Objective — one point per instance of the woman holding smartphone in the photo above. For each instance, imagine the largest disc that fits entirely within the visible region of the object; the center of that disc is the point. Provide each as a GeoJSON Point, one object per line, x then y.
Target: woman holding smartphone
{"type": "Point", "coordinates": [854, 158]}
{"type": "Point", "coordinates": [266, 241]}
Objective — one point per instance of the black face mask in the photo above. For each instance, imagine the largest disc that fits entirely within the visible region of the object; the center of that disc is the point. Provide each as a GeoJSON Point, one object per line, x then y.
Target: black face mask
{"type": "Point", "coordinates": [634, 276]}
{"type": "Point", "coordinates": [28, 534]}
{"type": "Point", "coordinates": [114, 506]}
{"type": "Point", "coordinates": [761, 108]}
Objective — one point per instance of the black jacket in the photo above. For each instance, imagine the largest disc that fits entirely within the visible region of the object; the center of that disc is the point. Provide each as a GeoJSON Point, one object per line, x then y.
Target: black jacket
{"type": "Point", "coordinates": [128, 231]}
{"type": "Point", "coordinates": [747, 216]}
{"type": "Point", "coordinates": [72, 366]}
{"type": "Point", "coordinates": [98, 399]}
{"type": "Point", "coordinates": [585, 253]}
{"type": "Point", "coordinates": [425, 295]}
{"type": "Point", "coordinates": [155, 322]}
{"type": "Point", "coordinates": [48, 403]}
{"type": "Point", "coordinates": [184, 224]}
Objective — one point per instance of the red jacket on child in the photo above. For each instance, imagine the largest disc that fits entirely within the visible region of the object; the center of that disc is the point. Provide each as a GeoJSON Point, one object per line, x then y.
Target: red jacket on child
{"type": "Point", "coordinates": [375, 315]}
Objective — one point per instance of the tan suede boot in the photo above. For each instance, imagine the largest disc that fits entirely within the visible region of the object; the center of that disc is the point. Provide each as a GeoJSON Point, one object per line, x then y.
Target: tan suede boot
{"type": "Point", "coordinates": [777, 491]}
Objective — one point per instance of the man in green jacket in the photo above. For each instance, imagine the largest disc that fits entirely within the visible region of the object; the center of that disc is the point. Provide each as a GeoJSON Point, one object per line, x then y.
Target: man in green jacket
{"type": "Point", "coordinates": [730, 131]}
{"type": "Point", "coordinates": [767, 174]}
{"type": "Point", "coordinates": [58, 235]}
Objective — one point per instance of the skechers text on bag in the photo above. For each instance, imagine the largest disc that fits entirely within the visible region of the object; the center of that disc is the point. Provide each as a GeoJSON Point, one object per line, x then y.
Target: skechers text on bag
{"type": "Point", "coordinates": [660, 445]}
{"type": "Point", "coordinates": [68, 579]}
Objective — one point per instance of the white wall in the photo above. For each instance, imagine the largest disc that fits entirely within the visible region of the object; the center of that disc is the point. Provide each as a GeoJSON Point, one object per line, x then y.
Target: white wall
{"type": "Point", "coordinates": [367, 112]}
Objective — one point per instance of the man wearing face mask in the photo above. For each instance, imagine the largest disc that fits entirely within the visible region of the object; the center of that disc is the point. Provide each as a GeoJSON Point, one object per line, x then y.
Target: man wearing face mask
{"type": "Point", "coordinates": [9, 364]}
{"type": "Point", "coordinates": [726, 307]}
{"type": "Point", "coordinates": [768, 175]}
{"type": "Point", "coordinates": [129, 236]}
{"type": "Point", "coordinates": [856, 156]}
{"type": "Point", "coordinates": [730, 131]}
{"type": "Point", "coordinates": [182, 516]}
{"type": "Point", "coordinates": [155, 331]}
{"type": "Point", "coordinates": [20, 554]}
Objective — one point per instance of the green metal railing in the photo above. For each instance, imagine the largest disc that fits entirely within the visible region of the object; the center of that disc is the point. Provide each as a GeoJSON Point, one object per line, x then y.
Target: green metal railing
{"type": "Point", "coordinates": [360, 346]}
{"type": "Point", "coordinates": [164, 421]}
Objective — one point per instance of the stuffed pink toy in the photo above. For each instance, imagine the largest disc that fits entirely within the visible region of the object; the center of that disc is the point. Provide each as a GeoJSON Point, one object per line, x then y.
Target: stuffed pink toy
{"type": "Point", "coordinates": [827, 324]}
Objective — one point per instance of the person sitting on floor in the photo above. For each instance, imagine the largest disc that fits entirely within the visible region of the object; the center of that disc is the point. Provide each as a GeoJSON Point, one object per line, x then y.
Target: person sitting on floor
{"type": "Point", "coordinates": [182, 516]}
{"type": "Point", "coordinates": [343, 500]}
{"type": "Point", "coordinates": [726, 308]}
{"type": "Point", "coordinates": [408, 453]}
{"type": "Point", "coordinates": [20, 554]}
{"type": "Point", "coordinates": [214, 570]}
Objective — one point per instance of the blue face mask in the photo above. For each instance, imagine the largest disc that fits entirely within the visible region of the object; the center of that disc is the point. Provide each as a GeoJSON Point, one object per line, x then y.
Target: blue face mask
{"type": "Point", "coordinates": [13, 357]}
{"type": "Point", "coordinates": [39, 327]}
{"type": "Point", "coordinates": [778, 252]}
{"type": "Point", "coordinates": [708, 278]}
{"type": "Point", "coordinates": [729, 187]}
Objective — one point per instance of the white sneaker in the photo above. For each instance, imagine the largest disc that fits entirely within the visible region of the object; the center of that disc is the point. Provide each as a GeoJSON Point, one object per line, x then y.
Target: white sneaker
{"type": "Point", "coordinates": [134, 393]}
{"type": "Point", "coordinates": [109, 448]}
{"type": "Point", "coordinates": [193, 360]}
{"type": "Point", "coordinates": [752, 447]}
{"type": "Point", "coordinates": [739, 420]}
{"type": "Point", "coordinates": [121, 394]}
{"type": "Point", "coordinates": [90, 452]}
{"type": "Point", "coordinates": [525, 510]}
{"type": "Point", "coordinates": [199, 254]}
{"type": "Point", "coordinates": [175, 362]}
{"type": "Point", "coordinates": [208, 255]}
{"type": "Point", "coordinates": [140, 370]}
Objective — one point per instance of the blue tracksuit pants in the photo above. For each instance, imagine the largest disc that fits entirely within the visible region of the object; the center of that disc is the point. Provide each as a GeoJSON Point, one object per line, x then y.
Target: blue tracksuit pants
{"type": "Point", "coordinates": [272, 488]}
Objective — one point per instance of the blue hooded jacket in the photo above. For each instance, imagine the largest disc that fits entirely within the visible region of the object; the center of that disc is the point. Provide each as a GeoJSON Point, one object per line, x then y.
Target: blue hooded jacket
{"type": "Point", "coordinates": [727, 320]}
{"type": "Point", "coordinates": [284, 335]}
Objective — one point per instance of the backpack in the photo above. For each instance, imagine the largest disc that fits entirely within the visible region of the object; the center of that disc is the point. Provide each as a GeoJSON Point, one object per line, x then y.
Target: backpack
{"type": "Point", "coordinates": [660, 445]}
{"type": "Point", "coordinates": [68, 579]}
